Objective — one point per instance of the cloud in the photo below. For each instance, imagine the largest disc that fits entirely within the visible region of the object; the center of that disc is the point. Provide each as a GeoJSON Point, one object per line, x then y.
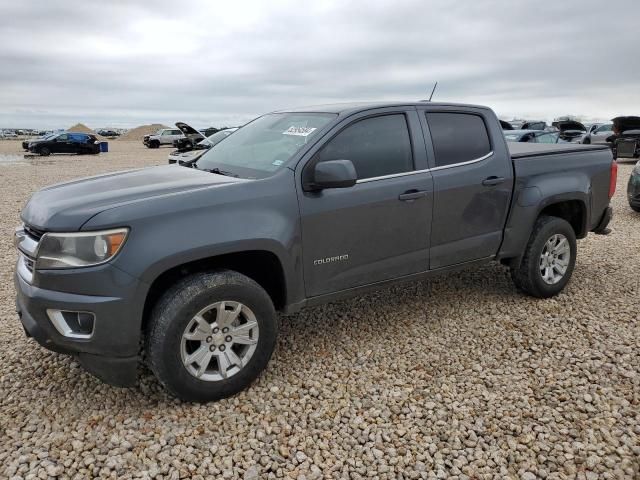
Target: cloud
{"type": "Point", "coordinates": [131, 62]}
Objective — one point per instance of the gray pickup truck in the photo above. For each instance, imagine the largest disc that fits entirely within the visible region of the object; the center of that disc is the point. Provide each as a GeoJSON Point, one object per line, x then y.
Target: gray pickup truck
{"type": "Point", "coordinates": [185, 268]}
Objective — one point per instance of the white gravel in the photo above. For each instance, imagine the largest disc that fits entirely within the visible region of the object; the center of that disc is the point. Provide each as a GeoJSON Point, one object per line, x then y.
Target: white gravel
{"type": "Point", "coordinates": [460, 377]}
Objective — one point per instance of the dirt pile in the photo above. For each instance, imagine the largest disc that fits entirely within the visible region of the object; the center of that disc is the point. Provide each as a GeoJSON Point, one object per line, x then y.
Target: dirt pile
{"type": "Point", "coordinates": [139, 132]}
{"type": "Point", "coordinates": [82, 128]}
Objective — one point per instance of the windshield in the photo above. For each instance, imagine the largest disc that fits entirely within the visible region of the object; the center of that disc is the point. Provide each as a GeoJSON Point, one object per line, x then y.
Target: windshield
{"type": "Point", "coordinates": [262, 146]}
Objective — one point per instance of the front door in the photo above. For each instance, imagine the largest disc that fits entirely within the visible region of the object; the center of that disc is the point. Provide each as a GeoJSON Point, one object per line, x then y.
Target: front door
{"type": "Point", "coordinates": [60, 144]}
{"type": "Point", "coordinates": [473, 182]}
{"type": "Point", "coordinates": [379, 228]}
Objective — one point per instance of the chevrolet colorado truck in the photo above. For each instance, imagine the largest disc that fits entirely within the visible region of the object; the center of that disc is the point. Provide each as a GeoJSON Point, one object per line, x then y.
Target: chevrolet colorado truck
{"type": "Point", "coordinates": [184, 268]}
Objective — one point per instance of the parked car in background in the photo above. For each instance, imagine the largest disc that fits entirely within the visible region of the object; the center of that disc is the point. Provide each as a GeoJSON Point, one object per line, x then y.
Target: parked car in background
{"type": "Point", "coordinates": [184, 268]}
{"type": "Point", "coordinates": [164, 136]}
{"type": "Point", "coordinates": [108, 133]}
{"type": "Point", "coordinates": [8, 134]}
{"type": "Point", "coordinates": [633, 188]}
{"type": "Point", "coordinates": [211, 130]}
{"type": "Point", "coordinates": [570, 130]}
{"type": "Point", "coordinates": [68, 142]}
{"type": "Point", "coordinates": [533, 136]}
{"type": "Point", "coordinates": [26, 143]}
{"type": "Point", "coordinates": [598, 133]}
{"type": "Point", "coordinates": [188, 156]}
{"type": "Point", "coordinates": [190, 138]}
{"type": "Point", "coordinates": [534, 125]}
{"type": "Point", "coordinates": [626, 137]}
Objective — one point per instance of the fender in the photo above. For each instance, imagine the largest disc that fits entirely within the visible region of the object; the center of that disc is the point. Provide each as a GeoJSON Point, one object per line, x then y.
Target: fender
{"type": "Point", "coordinates": [534, 195]}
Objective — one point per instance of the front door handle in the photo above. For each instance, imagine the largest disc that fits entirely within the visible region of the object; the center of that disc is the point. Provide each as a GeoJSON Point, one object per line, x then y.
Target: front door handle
{"type": "Point", "coordinates": [493, 180]}
{"type": "Point", "coordinates": [412, 195]}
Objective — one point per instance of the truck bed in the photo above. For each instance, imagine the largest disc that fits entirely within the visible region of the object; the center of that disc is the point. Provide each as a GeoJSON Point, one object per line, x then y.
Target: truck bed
{"type": "Point", "coordinates": [526, 149]}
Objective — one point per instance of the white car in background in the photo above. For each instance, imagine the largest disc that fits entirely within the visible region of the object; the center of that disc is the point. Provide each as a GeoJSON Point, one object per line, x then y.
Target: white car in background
{"type": "Point", "coordinates": [598, 133]}
{"type": "Point", "coordinates": [199, 149]}
{"type": "Point", "coordinates": [164, 136]}
{"type": "Point", "coordinates": [8, 134]}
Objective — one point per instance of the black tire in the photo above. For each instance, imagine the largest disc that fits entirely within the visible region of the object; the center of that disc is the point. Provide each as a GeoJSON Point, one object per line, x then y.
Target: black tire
{"type": "Point", "coordinates": [527, 275]}
{"type": "Point", "coordinates": [154, 144]}
{"type": "Point", "coordinates": [174, 311]}
{"type": "Point", "coordinates": [44, 151]}
{"type": "Point", "coordinates": [635, 208]}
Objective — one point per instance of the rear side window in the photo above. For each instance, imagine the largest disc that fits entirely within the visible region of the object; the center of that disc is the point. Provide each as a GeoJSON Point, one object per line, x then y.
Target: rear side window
{"type": "Point", "coordinates": [458, 137]}
{"type": "Point", "coordinates": [78, 138]}
{"type": "Point", "coordinates": [377, 146]}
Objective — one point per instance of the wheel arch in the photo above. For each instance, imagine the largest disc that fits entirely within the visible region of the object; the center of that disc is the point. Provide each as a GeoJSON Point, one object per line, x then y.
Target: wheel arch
{"type": "Point", "coordinates": [262, 266]}
{"type": "Point", "coordinates": [573, 211]}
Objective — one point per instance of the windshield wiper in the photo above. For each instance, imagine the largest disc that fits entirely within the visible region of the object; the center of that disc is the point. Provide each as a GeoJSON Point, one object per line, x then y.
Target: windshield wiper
{"type": "Point", "coordinates": [217, 171]}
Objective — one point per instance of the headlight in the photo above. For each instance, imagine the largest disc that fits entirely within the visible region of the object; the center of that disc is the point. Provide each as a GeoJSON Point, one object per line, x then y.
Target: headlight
{"type": "Point", "coordinates": [81, 249]}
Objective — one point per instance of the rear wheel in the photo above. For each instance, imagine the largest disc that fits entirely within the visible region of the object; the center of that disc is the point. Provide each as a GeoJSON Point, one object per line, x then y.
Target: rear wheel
{"type": "Point", "coordinates": [549, 258]}
{"type": "Point", "coordinates": [211, 335]}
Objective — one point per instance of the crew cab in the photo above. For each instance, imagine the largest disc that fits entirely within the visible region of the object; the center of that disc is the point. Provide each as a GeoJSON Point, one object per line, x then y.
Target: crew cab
{"type": "Point", "coordinates": [186, 267]}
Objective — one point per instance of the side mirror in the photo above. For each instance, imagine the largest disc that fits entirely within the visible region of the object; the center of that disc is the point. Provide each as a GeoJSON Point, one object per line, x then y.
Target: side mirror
{"type": "Point", "coordinates": [334, 174]}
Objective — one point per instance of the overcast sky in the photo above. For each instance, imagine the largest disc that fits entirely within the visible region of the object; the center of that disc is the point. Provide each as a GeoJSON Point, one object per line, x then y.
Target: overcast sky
{"type": "Point", "coordinates": [124, 63]}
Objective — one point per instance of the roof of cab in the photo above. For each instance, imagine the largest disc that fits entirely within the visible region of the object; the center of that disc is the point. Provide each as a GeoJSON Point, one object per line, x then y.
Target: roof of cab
{"type": "Point", "coordinates": [353, 107]}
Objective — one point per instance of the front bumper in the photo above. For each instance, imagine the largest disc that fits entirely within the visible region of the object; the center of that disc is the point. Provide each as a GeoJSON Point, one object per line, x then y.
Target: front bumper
{"type": "Point", "coordinates": [111, 353]}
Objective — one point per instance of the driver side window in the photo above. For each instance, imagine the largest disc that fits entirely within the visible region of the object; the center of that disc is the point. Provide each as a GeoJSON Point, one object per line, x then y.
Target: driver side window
{"type": "Point", "coordinates": [62, 138]}
{"type": "Point", "coordinates": [377, 146]}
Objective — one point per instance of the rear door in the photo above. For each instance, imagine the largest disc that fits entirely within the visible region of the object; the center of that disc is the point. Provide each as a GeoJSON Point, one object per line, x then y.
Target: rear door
{"type": "Point", "coordinates": [379, 228]}
{"type": "Point", "coordinates": [473, 181]}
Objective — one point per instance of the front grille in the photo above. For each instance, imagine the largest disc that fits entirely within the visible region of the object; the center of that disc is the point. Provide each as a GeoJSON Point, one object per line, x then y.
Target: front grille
{"type": "Point", "coordinates": [33, 232]}
{"type": "Point", "coordinates": [28, 263]}
{"type": "Point", "coordinates": [626, 148]}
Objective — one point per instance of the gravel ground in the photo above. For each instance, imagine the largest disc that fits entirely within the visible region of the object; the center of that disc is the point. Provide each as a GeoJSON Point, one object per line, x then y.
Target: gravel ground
{"type": "Point", "coordinates": [460, 377]}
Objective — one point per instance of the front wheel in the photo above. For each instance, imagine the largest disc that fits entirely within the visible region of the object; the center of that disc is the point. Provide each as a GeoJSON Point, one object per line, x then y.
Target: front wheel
{"type": "Point", "coordinates": [44, 151]}
{"type": "Point", "coordinates": [635, 208]}
{"type": "Point", "coordinates": [211, 335]}
{"type": "Point", "coordinates": [549, 258]}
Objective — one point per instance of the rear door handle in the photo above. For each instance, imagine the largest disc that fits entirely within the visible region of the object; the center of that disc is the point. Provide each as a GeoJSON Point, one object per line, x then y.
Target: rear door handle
{"type": "Point", "coordinates": [412, 195]}
{"type": "Point", "coordinates": [493, 180]}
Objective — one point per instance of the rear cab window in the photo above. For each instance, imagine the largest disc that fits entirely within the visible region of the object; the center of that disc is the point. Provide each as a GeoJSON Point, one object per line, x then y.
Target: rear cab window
{"type": "Point", "coordinates": [458, 137]}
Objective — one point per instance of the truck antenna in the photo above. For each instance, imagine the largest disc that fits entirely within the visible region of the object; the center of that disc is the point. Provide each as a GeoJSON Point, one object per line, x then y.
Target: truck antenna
{"type": "Point", "coordinates": [434, 89]}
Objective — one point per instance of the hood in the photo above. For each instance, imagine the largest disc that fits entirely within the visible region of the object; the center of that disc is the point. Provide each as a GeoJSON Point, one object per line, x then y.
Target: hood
{"type": "Point", "coordinates": [564, 125]}
{"type": "Point", "coordinates": [67, 206]}
{"type": "Point", "coordinates": [188, 130]}
{"type": "Point", "coordinates": [626, 123]}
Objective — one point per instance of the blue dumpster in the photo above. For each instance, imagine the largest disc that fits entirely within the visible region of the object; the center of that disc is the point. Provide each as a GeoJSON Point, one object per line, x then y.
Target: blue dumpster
{"type": "Point", "coordinates": [104, 146]}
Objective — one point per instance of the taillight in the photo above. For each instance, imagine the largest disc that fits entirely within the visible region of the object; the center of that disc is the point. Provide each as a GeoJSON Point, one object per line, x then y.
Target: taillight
{"type": "Point", "coordinates": [613, 179]}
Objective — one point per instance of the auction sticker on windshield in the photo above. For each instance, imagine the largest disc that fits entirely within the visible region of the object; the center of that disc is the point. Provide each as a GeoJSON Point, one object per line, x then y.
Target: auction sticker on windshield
{"type": "Point", "coordinates": [299, 131]}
